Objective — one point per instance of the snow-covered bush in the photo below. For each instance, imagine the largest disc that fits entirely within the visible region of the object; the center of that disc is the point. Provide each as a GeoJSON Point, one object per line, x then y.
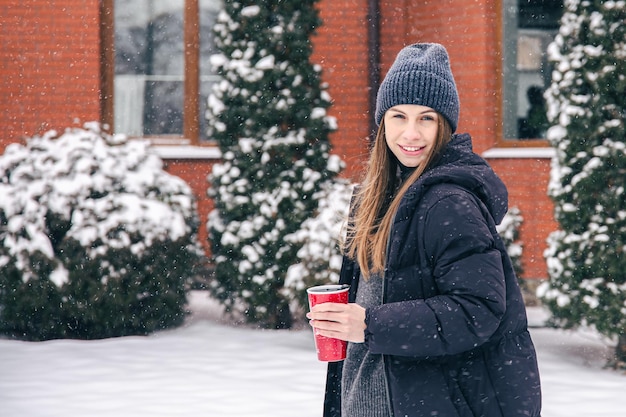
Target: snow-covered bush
{"type": "Point", "coordinates": [268, 113]}
{"type": "Point", "coordinates": [587, 107]}
{"type": "Point", "coordinates": [320, 239]}
{"type": "Point", "coordinates": [96, 239]}
{"type": "Point", "coordinates": [508, 230]}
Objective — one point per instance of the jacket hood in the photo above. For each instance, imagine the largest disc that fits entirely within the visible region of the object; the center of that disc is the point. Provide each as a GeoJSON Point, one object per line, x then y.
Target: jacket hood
{"type": "Point", "coordinates": [459, 165]}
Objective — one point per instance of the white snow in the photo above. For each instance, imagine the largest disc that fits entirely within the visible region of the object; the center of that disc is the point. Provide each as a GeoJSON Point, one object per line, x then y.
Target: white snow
{"type": "Point", "coordinates": [250, 11]}
{"type": "Point", "coordinates": [265, 63]}
{"type": "Point", "coordinates": [210, 368]}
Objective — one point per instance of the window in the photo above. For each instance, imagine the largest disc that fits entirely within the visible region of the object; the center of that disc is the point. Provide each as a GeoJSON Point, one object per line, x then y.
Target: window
{"type": "Point", "coordinates": [529, 27]}
{"type": "Point", "coordinates": [161, 76]}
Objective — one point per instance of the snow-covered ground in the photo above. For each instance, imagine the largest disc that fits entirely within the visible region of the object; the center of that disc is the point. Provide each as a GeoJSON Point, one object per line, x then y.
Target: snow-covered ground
{"type": "Point", "coordinates": [210, 368]}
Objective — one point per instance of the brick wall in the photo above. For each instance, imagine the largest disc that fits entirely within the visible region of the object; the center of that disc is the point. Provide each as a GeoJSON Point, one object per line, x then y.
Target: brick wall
{"type": "Point", "coordinates": [527, 182]}
{"type": "Point", "coordinates": [341, 48]}
{"type": "Point", "coordinates": [49, 61]}
{"type": "Point", "coordinates": [469, 31]}
{"type": "Point", "coordinates": [50, 78]}
{"type": "Point", "coordinates": [194, 172]}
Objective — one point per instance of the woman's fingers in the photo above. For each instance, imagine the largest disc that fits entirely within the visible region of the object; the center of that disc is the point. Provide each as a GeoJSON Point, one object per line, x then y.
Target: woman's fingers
{"type": "Point", "coordinates": [329, 307]}
{"type": "Point", "coordinates": [340, 321]}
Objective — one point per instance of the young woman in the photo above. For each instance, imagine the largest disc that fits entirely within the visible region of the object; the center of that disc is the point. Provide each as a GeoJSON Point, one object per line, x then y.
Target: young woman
{"type": "Point", "coordinates": [436, 324]}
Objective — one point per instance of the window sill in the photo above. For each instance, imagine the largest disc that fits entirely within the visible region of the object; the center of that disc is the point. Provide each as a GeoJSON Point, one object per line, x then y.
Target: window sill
{"type": "Point", "coordinates": [519, 153]}
{"type": "Point", "coordinates": [187, 152]}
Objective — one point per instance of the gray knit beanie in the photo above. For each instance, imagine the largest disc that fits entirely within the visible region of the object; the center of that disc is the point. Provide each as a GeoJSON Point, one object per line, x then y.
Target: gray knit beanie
{"type": "Point", "coordinates": [420, 75]}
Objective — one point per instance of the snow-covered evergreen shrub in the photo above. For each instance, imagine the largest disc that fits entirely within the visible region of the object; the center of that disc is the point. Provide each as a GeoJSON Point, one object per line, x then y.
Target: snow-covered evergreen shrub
{"type": "Point", "coordinates": [320, 238]}
{"type": "Point", "coordinates": [587, 106]}
{"type": "Point", "coordinates": [96, 240]}
{"type": "Point", "coordinates": [508, 230]}
{"type": "Point", "coordinates": [268, 115]}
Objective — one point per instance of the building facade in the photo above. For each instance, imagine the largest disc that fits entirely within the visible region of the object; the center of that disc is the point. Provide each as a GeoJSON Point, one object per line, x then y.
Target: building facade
{"type": "Point", "coordinates": [141, 68]}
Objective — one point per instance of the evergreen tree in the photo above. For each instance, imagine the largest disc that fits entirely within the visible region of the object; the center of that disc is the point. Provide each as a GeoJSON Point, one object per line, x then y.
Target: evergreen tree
{"type": "Point", "coordinates": [268, 115]}
{"type": "Point", "coordinates": [586, 105]}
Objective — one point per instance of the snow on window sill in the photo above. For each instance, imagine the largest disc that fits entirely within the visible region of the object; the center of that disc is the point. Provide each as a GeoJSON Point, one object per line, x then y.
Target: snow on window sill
{"type": "Point", "coordinates": [519, 153]}
{"type": "Point", "coordinates": [187, 152]}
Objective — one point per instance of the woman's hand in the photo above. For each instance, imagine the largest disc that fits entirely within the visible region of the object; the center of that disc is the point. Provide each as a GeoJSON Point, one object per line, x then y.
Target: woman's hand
{"type": "Point", "coordinates": [339, 321]}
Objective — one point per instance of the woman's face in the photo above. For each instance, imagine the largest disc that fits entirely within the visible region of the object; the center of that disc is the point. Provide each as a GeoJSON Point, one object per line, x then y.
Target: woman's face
{"type": "Point", "coordinates": [410, 132]}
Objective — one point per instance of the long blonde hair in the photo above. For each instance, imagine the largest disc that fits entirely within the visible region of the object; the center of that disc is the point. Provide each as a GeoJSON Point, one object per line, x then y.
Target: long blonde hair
{"type": "Point", "coordinates": [373, 216]}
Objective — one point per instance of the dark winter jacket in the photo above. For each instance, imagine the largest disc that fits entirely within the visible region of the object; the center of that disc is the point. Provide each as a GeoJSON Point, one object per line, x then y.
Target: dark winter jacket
{"type": "Point", "coordinates": [452, 326]}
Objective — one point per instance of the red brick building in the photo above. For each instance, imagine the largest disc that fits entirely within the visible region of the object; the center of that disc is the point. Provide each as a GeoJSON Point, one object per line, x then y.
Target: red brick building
{"type": "Point", "coordinates": [60, 67]}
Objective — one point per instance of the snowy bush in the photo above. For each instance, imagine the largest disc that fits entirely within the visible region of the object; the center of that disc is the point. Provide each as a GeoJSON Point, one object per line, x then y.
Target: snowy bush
{"type": "Point", "coordinates": [587, 106]}
{"type": "Point", "coordinates": [96, 239]}
{"type": "Point", "coordinates": [268, 113]}
{"type": "Point", "coordinates": [320, 239]}
{"type": "Point", "coordinates": [508, 230]}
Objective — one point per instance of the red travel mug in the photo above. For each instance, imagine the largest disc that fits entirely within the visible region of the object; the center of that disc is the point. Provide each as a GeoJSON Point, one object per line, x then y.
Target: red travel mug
{"type": "Point", "coordinates": [328, 348]}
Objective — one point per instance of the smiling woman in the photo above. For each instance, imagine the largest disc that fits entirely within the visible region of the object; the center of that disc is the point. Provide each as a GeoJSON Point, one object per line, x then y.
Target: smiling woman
{"type": "Point", "coordinates": [435, 322]}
